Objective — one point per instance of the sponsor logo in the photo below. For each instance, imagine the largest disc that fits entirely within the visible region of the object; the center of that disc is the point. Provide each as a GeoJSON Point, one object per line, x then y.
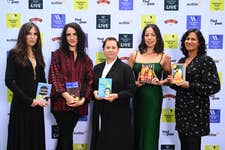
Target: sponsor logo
{"type": "Point", "coordinates": [55, 131]}
{"type": "Point", "coordinates": [103, 21]}
{"type": "Point", "coordinates": [13, 1]}
{"type": "Point", "coordinates": [167, 133]}
{"type": "Point", "coordinates": [171, 5]}
{"type": "Point", "coordinates": [100, 39]}
{"type": "Point", "coordinates": [126, 40]}
{"type": "Point", "coordinates": [83, 118]}
{"type": "Point", "coordinates": [11, 40]}
{"type": "Point", "coordinates": [148, 2]}
{"type": "Point", "coordinates": [170, 21]}
{"type": "Point", "coordinates": [212, 147]}
{"type": "Point", "coordinates": [58, 20]}
{"type": "Point", "coordinates": [214, 97]}
{"type": "Point", "coordinates": [214, 115]}
{"type": "Point", "coordinates": [125, 22]}
{"type": "Point", "coordinates": [214, 134]}
{"type": "Point", "coordinates": [125, 4]}
{"type": "Point", "coordinates": [35, 19]}
{"type": "Point", "coordinates": [80, 21]}
{"type": "Point", "coordinates": [57, 2]}
{"type": "Point", "coordinates": [35, 4]}
{"type": "Point", "coordinates": [167, 147]}
{"type": "Point", "coordinates": [215, 41]}
{"type": "Point", "coordinates": [56, 39]}
{"type": "Point", "coordinates": [193, 22]}
{"type": "Point", "coordinates": [215, 22]}
{"type": "Point", "coordinates": [103, 1]}
{"type": "Point", "coordinates": [169, 96]}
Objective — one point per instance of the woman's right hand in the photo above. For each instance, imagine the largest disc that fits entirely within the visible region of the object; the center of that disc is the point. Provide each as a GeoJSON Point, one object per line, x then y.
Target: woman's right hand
{"type": "Point", "coordinates": [96, 95]}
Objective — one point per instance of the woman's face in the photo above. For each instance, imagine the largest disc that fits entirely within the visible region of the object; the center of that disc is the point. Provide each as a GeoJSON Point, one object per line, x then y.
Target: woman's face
{"type": "Point", "coordinates": [31, 37]}
{"type": "Point", "coordinates": [111, 50]}
{"type": "Point", "coordinates": [71, 37]}
{"type": "Point", "coordinates": [191, 42]}
{"type": "Point", "coordinates": [150, 38]}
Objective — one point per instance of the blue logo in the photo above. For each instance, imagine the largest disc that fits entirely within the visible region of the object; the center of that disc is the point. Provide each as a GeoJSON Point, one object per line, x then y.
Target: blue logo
{"type": "Point", "coordinates": [214, 115]}
{"type": "Point", "coordinates": [126, 5]}
{"type": "Point", "coordinates": [83, 118]}
{"type": "Point", "coordinates": [193, 22]}
{"type": "Point", "coordinates": [58, 20]}
{"type": "Point", "coordinates": [215, 41]}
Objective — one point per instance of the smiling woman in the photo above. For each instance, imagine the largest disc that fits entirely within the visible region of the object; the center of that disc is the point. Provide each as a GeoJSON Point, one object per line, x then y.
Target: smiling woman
{"type": "Point", "coordinates": [111, 125]}
{"type": "Point", "coordinates": [25, 68]}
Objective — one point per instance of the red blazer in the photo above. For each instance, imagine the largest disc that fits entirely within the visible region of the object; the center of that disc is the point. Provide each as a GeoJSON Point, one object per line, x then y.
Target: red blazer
{"type": "Point", "coordinates": [64, 69]}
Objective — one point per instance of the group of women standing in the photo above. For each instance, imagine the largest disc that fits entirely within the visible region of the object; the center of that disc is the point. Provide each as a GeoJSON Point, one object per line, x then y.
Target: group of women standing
{"type": "Point", "coordinates": [112, 115]}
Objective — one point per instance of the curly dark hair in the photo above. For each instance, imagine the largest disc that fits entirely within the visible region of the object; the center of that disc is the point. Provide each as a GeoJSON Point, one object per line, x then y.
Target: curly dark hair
{"type": "Point", "coordinates": [21, 49]}
{"type": "Point", "coordinates": [64, 45]}
{"type": "Point", "coordinates": [201, 39]}
{"type": "Point", "coordinates": [159, 47]}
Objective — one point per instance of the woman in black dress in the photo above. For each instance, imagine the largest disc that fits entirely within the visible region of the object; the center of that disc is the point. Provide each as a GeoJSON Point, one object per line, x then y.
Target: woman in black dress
{"type": "Point", "coordinates": [192, 96]}
{"type": "Point", "coordinates": [25, 68]}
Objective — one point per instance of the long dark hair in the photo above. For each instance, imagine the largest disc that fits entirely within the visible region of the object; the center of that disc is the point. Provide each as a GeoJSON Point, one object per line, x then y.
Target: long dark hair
{"type": "Point", "coordinates": [201, 39]}
{"type": "Point", "coordinates": [64, 45]}
{"type": "Point", "coordinates": [21, 48]}
{"type": "Point", "coordinates": [159, 47]}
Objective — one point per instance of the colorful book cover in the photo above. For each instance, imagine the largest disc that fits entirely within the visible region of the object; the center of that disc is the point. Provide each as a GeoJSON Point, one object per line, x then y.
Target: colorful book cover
{"type": "Point", "coordinates": [43, 91]}
{"type": "Point", "coordinates": [147, 73]}
{"type": "Point", "coordinates": [104, 87]}
{"type": "Point", "coordinates": [73, 89]}
{"type": "Point", "coordinates": [178, 72]}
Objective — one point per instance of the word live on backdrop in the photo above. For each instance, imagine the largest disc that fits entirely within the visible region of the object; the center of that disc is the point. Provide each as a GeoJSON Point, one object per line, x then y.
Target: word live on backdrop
{"type": "Point", "coordinates": [123, 19]}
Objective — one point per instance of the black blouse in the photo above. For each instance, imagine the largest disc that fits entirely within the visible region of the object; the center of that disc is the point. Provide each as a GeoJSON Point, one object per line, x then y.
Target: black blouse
{"type": "Point", "coordinates": [192, 107]}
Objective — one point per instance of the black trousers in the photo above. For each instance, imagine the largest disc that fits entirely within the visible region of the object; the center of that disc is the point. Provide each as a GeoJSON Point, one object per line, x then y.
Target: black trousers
{"type": "Point", "coordinates": [190, 142]}
{"type": "Point", "coordinates": [66, 122]}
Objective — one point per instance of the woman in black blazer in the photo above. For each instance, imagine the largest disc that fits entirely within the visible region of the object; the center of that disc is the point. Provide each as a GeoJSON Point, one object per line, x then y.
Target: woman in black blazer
{"type": "Point", "coordinates": [111, 128]}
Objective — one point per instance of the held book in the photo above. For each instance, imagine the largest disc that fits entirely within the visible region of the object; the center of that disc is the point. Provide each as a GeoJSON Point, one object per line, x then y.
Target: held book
{"type": "Point", "coordinates": [178, 72]}
{"type": "Point", "coordinates": [104, 87]}
{"type": "Point", "coordinates": [73, 89]}
{"type": "Point", "coordinates": [43, 91]}
{"type": "Point", "coordinates": [147, 73]}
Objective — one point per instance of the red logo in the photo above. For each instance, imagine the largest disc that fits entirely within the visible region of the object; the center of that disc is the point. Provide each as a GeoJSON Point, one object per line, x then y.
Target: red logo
{"type": "Point", "coordinates": [35, 20]}
{"type": "Point", "coordinates": [170, 21]}
{"type": "Point", "coordinates": [56, 39]}
{"type": "Point", "coordinates": [103, 1]}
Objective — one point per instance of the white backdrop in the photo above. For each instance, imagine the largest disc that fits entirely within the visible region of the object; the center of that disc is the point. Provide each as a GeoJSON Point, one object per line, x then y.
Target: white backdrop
{"type": "Point", "coordinates": [123, 19]}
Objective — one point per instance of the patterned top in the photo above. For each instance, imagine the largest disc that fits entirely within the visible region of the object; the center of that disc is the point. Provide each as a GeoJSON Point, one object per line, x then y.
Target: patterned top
{"type": "Point", "coordinates": [192, 106]}
{"type": "Point", "coordinates": [64, 69]}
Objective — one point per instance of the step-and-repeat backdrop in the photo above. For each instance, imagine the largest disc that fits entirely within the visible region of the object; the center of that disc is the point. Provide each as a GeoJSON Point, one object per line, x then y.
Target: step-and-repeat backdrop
{"type": "Point", "coordinates": [123, 19]}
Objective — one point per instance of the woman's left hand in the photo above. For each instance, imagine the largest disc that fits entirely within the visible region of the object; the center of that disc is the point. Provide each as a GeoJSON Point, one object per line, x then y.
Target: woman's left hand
{"type": "Point", "coordinates": [184, 84]}
{"type": "Point", "coordinates": [77, 103]}
{"type": "Point", "coordinates": [111, 97]}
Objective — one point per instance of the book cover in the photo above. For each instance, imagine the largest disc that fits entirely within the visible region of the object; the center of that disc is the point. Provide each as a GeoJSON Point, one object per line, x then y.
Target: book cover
{"type": "Point", "coordinates": [73, 89]}
{"type": "Point", "coordinates": [147, 73]}
{"type": "Point", "coordinates": [104, 87]}
{"type": "Point", "coordinates": [43, 91]}
{"type": "Point", "coordinates": [178, 72]}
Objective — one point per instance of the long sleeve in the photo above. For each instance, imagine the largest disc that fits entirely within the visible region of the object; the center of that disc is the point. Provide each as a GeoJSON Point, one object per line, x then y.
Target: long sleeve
{"type": "Point", "coordinates": [88, 79]}
{"type": "Point", "coordinates": [55, 75]}
{"type": "Point", "coordinates": [11, 83]}
{"type": "Point", "coordinates": [129, 82]}
{"type": "Point", "coordinates": [209, 83]}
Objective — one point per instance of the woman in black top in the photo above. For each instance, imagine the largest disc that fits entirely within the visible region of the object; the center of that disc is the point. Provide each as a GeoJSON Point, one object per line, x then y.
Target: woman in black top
{"type": "Point", "coordinates": [192, 106]}
{"type": "Point", "coordinates": [25, 68]}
